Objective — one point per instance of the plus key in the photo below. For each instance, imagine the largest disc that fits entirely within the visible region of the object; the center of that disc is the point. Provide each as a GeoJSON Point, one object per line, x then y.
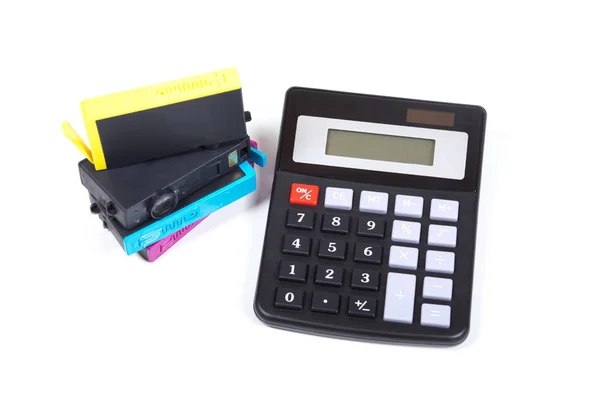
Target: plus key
{"type": "Point", "coordinates": [306, 195]}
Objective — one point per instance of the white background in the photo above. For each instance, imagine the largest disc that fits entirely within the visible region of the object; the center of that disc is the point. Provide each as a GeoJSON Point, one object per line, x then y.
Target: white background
{"type": "Point", "coordinates": [81, 320]}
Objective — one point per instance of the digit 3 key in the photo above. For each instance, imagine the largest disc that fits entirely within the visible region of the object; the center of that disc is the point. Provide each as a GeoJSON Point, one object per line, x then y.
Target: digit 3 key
{"type": "Point", "coordinates": [371, 229]}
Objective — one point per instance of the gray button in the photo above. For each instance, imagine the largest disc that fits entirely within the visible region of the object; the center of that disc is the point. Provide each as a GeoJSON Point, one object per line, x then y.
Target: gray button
{"type": "Point", "coordinates": [439, 261]}
{"type": "Point", "coordinates": [338, 198]}
{"type": "Point", "coordinates": [399, 298]}
{"type": "Point", "coordinates": [442, 235]}
{"type": "Point", "coordinates": [373, 202]}
{"type": "Point", "coordinates": [408, 206]}
{"type": "Point", "coordinates": [404, 257]}
{"type": "Point", "coordinates": [406, 231]}
{"type": "Point", "coordinates": [444, 210]}
{"type": "Point", "coordinates": [437, 288]}
{"type": "Point", "coordinates": [435, 315]}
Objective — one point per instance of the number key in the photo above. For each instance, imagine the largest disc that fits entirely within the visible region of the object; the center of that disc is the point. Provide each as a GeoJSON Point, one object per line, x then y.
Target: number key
{"type": "Point", "coordinates": [289, 298]}
{"type": "Point", "coordinates": [333, 249]}
{"type": "Point", "coordinates": [298, 245]}
{"type": "Point", "coordinates": [362, 279]}
{"type": "Point", "coordinates": [300, 219]}
{"type": "Point", "coordinates": [335, 223]}
{"type": "Point", "coordinates": [371, 227]}
{"type": "Point", "coordinates": [328, 275]}
{"type": "Point", "coordinates": [368, 253]}
{"type": "Point", "coordinates": [292, 271]}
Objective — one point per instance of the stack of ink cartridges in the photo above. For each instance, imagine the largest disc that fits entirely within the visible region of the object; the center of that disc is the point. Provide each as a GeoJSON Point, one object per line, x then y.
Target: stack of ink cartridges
{"type": "Point", "coordinates": [164, 157]}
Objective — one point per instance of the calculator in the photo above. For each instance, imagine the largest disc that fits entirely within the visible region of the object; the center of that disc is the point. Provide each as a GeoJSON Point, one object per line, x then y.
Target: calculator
{"type": "Point", "coordinates": [371, 227]}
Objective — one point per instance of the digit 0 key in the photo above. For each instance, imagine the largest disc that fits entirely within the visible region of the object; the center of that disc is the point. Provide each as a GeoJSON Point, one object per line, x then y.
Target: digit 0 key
{"type": "Point", "coordinates": [371, 231]}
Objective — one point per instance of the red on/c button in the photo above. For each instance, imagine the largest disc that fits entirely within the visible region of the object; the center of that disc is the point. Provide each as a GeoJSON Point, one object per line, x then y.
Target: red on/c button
{"type": "Point", "coordinates": [307, 195]}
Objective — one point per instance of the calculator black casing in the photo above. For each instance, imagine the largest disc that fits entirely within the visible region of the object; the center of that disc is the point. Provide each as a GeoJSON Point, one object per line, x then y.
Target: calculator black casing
{"type": "Point", "coordinates": [380, 109]}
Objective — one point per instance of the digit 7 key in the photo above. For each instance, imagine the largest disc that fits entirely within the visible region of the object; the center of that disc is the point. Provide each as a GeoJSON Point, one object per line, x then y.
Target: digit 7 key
{"type": "Point", "coordinates": [306, 195]}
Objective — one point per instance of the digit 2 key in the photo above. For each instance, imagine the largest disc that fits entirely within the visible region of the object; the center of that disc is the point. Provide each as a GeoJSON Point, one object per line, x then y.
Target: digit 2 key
{"type": "Point", "coordinates": [371, 230]}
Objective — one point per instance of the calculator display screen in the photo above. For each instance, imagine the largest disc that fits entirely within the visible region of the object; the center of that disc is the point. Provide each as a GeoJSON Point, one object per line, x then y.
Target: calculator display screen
{"type": "Point", "coordinates": [363, 145]}
{"type": "Point", "coordinates": [369, 146]}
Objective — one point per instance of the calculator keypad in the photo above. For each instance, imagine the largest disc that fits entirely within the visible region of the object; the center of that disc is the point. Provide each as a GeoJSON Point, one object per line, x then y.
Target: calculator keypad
{"type": "Point", "coordinates": [370, 249]}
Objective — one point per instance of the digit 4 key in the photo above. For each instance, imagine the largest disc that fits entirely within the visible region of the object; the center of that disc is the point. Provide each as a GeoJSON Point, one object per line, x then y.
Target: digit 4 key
{"type": "Point", "coordinates": [371, 231]}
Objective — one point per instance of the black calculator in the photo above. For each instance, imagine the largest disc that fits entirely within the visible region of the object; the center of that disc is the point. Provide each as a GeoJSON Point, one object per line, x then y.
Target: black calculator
{"type": "Point", "coordinates": [371, 229]}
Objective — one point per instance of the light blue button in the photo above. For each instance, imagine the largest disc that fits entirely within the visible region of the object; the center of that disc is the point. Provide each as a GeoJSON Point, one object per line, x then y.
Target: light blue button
{"type": "Point", "coordinates": [338, 198]}
{"type": "Point", "coordinates": [442, 235]}
{"type": "Point", "coordinates": [435, 315]}
{"type": "Point", "coordinates": [406, 231]}
{"type": "Point", "coordinates": [373, 202]}
{"type": "Point", "coordinates": [437, 288]}
{"type": "Point", "coordinates": [444, 210]}
{"type": "Point", "coordinates": [439, 261]}
{"type": "Point", "coordinates": [399, 298]}
{"type": "Point", "coordinates": [404, 257]}
{"type": "Point", "coordinates": [408, 206]}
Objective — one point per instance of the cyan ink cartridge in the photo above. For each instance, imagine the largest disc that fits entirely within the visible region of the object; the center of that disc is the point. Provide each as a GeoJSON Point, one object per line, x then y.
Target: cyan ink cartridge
{"type": "Point", "coordinates": [161, 120]}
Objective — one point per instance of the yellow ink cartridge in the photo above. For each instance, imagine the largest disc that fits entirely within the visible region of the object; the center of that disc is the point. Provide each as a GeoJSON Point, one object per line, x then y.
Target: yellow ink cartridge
{"type": "Point", "coordinates": [162, 120]}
